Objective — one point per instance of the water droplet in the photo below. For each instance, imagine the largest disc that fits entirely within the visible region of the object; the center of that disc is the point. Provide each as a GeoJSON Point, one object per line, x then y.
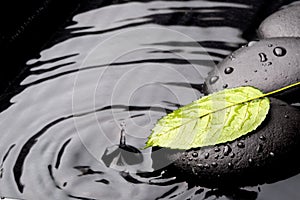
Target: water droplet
{"type": "Point", "coordinates": [255, 71]}
{"type": "Point", "coordinates": [213, 79]}
{"type": "Point", "coordinates": [227, 150]}
{"type": "Point", "coordinates": [195, 154]}
{"type": "Point", "coordinates": [228, 70]}
{"type": "Point", "coordinates": [202, 88]}
{"type": "Point", "coordinates": [286, 116]}
{"type": "Point", "coordinates": [250, 160]}
{"type": "Point", "coordinates": [231, 57]}
{"type": "Point", "coordinates": [206, 155]}
{"type": "Point", "coordinates": [123, 135]}
{"type": "Point", "coordinates": [263, 57]}
{"type": "Point", "coordinates": [183, 159]}
{"type": "Point", "coordinates": [279, 51]}
{"type": "Point", "coordinates": [251, 43]}
{"type": "Point", "coordinates": [231, 155]}
{"type": "Point", "coordinates": [272, 154]}
{"type": "Point", "coordinates": [266, 78]}
{"type": "Point", "coordinates": [214, 164]}
{"type": "Point", "coordinates": [230, 165]}
{"type": "Point", "coordinates": [217, 149]}
{"type": "Point", "coordinates": [270, 45]}
{"type": "Point", "coordinates": [190, 159]}
{"type": "Point", "coordinates": [216, 156]}
{"type": "Point", "coordinates": [241, 145]}
{"type": "Point", "coordinates": [200, 166]}
{"type": "Point", "coordinates": [259, 148]}
{"type": "Point", "coordinates": [246, 81]}
{"type": "Point", "coordinates": [225, 86]}
{"type": "Point", "coordinates": [194, 171]}
{"type": "Point", "coordinates": [207, 166]}
{"type": "Point", "coordinates": [262, 138]}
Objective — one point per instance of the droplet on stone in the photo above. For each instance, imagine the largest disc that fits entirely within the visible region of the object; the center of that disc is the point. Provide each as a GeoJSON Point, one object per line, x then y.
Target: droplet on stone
{"type": "Point", "coordinates": [231, 155]}
{"type": "Point", "coordinates": [279, 51]}
{"type": "Point", "coordinates": [200, 166]}
{"type": "Point", "coordinates": [195, 154]}
{"type": "Point", "coordinates": [255, 71]}
{"type": "Point", "coordinates": [217, 149]}
{"type": "Point", "coordinates": [270, 45]}
{"type": "Point", "coordinates": [190, 159]}
{"type": "Point", "coordinates": [213, 79]}
{"type": "Point", "coordinates": [263, 57]}
{"type": "Point", "coordinates": [286, 116]}
{"type": "Point", "coordinates": [272, 154]}
{"type": "Point", "coordinates": [225, 86]}
{"type": "Point", "coordinates": [216, 156]}
{"type": "Point", "coordinates": [231, 57]}
{"type": "Point", "coordinates": [214, 164]}
{"type": "Point", "coordinates": [259, 148]}
{"type": "Point", "coordinates": [228, 70]}
{"type": "Point", "coordinates": [206, 155]}
{"type": "Point", "coordinates": [250, 160]}
{"type": "Point", "coordinates": [207, 166]}
{"type": "Point", "coordinates": [227, 150]}
{"type": "Point", "coordinates": [251, 43]}
{"type": "Point", "coordinates": [230, 165]}
{"type": "Point", "coordinates": [241, 145]}
{"type": "Point", "coordinates": [262, 138]}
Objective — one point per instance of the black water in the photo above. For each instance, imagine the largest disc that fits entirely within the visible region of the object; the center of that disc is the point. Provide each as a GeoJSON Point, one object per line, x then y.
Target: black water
{"type": "Point", "coordinates": [111, 72]}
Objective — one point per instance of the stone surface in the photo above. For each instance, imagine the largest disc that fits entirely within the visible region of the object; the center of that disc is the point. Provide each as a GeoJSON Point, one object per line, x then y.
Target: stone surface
{"type": "Point", "coordinates": [267, 64]}
{"type": "Point", "coordinates": [283, 23]}
{"type": "Point", "coordinates": [266, 155]}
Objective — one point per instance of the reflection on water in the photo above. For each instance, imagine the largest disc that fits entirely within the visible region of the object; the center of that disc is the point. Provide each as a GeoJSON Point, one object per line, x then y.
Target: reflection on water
{"type": "Point", "coordinates": [129, 62]}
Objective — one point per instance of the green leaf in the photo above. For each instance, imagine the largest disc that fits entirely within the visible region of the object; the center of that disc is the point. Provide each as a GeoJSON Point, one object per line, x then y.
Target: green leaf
{"type": "Point", "coordinates": [217, 118]}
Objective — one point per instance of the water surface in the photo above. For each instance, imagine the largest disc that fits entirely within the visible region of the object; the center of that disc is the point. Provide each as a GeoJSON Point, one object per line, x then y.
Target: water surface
{"type": "Point", "coordinates": [116, 67]}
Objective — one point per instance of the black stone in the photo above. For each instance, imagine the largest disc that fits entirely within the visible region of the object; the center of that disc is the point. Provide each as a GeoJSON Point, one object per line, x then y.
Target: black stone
{"type": "Point", "coordinates": [268, 65]}
{"type": "Point", "coordinates": [283, 23]}
{"type": "Point", "coordinates": [248, 167]}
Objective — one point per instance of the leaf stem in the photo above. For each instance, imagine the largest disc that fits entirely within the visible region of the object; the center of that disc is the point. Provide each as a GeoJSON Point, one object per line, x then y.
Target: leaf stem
{"type": "Point", "coordinates": [281, 89]}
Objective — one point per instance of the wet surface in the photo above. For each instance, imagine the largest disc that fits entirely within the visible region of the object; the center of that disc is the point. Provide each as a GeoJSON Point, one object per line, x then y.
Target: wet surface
{"type": "Point", "coordinates": [111, 73]}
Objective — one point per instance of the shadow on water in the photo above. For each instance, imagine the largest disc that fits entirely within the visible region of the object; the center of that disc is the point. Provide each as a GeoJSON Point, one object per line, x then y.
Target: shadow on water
{"type": "Point", "coordinates": [61, 134]}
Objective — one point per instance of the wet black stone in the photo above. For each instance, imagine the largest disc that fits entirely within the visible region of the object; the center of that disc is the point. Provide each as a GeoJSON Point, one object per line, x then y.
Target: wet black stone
{"type": "Point", "coordinates": [283, 23]}
{"type": "Point", "coordinates": [266, 68]}
{"type": "Point", "coordinates": [247, 166]}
